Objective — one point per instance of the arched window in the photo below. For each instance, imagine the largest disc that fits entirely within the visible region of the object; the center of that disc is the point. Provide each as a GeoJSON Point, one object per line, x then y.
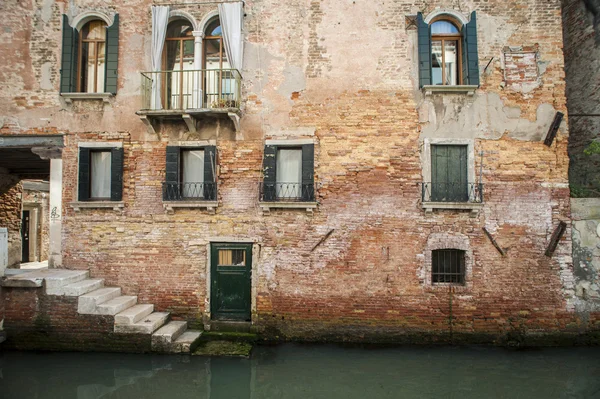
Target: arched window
{"type": "Point", "coordinates": [178, 58]}
{"type": "Point", "coordinates": [219, 83]}
{"type": "Point", "coordinates": [446, 53]}
{"type": "Point", "coordinates": [92, 57]}
{"type": "Point", "coordinates": [214, 52]}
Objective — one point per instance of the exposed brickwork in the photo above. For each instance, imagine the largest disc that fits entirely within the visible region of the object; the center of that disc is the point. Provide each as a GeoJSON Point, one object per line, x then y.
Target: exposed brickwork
{"type": "Point", "coordinates": [346, 78]}
{"type": "Point", "coordinates": [10, 215]}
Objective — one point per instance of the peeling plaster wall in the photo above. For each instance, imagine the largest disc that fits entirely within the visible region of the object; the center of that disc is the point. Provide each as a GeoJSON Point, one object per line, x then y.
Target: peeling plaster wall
{"type": "Point", "coordinates": [586, 252]}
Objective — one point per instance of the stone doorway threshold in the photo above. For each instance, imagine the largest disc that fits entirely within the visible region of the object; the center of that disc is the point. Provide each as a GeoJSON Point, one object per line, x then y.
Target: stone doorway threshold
{"type": "Point", "coordinates": [25, 268]}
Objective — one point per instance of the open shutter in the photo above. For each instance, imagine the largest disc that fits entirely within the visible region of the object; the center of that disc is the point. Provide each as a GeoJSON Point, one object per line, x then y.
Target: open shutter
{"type": "Point", "coordinates": [171, 190]}
{"type": "Point", "coordinates": [269, 166]}
{"type": "Point", "coordinates": [424, 44]}
{"type": "Point", "coordinates": [84, 174]}
{"type": "Point", "coordinates": [464, 58]}
{"type": "Point", "coordinates": [68, 67]}
{"type": "Point", "coordinates": [308, 172]}
{"type": "Point", "coordinates": [116, 174]}
{"type": "Point", "coordinates": [470, 34]}
{"type": "Point", "coordinates": [112, 57]}
{"type": "Point", "coordinates": [210, 168]}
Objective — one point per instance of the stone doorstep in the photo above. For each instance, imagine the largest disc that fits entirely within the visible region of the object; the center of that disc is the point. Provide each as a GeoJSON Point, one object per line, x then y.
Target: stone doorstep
{"type": "Point", "coordinates": [79, 288]}
{"type": "Point", "coordinates": [168, 333]}
{"type": "Point", "coordinates": [87, 303]}
{"type": "Point", "coordinates": [53, 279]}
{"type": "Point", "coordinates": [116, 305]}
{"type": "Point", "coordinates": [146, 325]}
{"type": "Point", "coordinates": [188, 341]}
{"type": "Point", "coordinates": [134, 314]}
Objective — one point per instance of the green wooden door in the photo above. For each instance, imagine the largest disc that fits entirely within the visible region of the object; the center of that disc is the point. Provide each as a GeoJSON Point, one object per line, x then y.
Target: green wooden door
{"type": "Point", "coordinates": [449, 173]}
{"type": "Point", "coordinates": [231, 272]}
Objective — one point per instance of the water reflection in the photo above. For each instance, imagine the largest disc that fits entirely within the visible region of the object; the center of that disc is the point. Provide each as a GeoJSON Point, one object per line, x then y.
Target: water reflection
{"type": "Point", "coordinates": [295, 371]}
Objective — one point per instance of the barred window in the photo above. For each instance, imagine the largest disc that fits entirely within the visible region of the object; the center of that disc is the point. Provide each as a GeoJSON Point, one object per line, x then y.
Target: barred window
{"type": "Point", "coordinates": [448, 266]}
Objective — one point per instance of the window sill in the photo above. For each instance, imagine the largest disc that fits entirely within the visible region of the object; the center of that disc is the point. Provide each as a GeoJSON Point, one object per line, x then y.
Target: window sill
{"type": "Point", "coordinates": [79, 205]}
{"type": "Point", "coordinates": [171, 205]}
{"type": "Point", "coordinates": [69, 97]}
{"type": "Point", "coordinates": [267, 206]}
{"type": "Point", "coordinates": [474, 207]}
{"type": "Point", "coordinates": [469, 90]}
{"type": "Point", "coordinates": [445, 287]}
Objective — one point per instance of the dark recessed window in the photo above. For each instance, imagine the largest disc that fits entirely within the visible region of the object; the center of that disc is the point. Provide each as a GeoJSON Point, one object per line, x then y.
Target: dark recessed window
{"type": "Point", "coordinates": [448, 266]}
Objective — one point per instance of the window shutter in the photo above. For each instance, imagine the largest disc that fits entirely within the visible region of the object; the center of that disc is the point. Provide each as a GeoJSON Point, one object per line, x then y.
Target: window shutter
{"type": "Point", "coordinates": [112, 57]}
{"type": "Point", "coordinates": [308, 172]}
{"type": "Point", "coordinates": [84, 174]}
{"type": "Point", "coordinates": [465, 64]}
{"type": "Point", "coordinates": [171, 187]}
{"type": "Point", "coordinates": [424, 44]}
{"type": "Point", "coordinates": [472, 53]}
{"type": "Point", "coordinates": [116, 174]}
{"type": "Point", "coordinates": [269, 166]}
{"type": "Point", "coordinates": [210, 168]}
{"type": "Point", "coordinates": [449, 173]}
{"type": "Point", "coordinates": [68, 67]}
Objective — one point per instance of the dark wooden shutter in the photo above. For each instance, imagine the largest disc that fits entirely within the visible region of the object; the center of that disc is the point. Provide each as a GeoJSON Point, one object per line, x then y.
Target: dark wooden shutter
{"type": "Point", "coordinates": [68, 67]}
{"type": "Point", "coordinates": [269, 179]}
{"type": "Point", "coordinates": [308, 172]}
{"type": "Point", "coordinates": [116, 174]}
{"type": "Point", "coordinates": [449, 173]}
{"type": "Point", "coordinates": [171, 190]}
{"type": "Point", "coordinates": [465, 63]}
{"type": "Point", "coordinates": [424, 44]}
{"type": "Point", "coordinates": [470, 34]}
{"type": "Point", "coordinates": [112, 57]}
{"type": "Point", "coordinates": [84, 174]}
{"type": "Point", "coordinates": [210, 168]}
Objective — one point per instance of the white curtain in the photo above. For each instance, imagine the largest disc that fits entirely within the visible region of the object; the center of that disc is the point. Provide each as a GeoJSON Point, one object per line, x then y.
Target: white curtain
{"type": "Point", "coordinates": [160, 20]}
{"type": "Point", "coordinates": [231, 16]}
{"type": "Point", "coordinates": [289, 173]}
{"type": "Point", "coordinates": [100, 174]}
{"type": "Point", "coordinates": [193, 172]}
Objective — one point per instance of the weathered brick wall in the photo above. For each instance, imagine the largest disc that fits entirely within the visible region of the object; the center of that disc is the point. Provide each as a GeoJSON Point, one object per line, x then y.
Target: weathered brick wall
{"type": "Point", "coordinates": [344, 75]}
{"type": "Point", "coordinates": [40, 201]}
{"type": "Point", "coordinates": [582, 66]}
{"type": "Point", "coordinates": [35, 320]}
{"type": "Point", "coordinates": [10, 215]}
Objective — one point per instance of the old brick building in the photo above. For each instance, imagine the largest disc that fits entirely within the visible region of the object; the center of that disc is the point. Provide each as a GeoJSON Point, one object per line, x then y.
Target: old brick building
{"type": "Point", "coordinates": [323, 168]}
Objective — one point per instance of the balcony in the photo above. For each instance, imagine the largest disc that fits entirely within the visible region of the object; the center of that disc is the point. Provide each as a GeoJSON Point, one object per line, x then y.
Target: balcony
{"type": "Point", "coordinates": [467, 196]}
{"type": "Point", "coordinates": [287, 195]}
{"type": "Point", "coordinates": [189, 195]}
{"type": "Point", "coordinates": [190, 95]}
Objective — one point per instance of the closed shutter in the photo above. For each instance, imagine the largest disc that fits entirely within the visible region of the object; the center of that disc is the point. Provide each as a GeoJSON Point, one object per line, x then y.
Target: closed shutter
{"type": "Point", "coordinates": [424, 47]}
{"type": "Point", "coordinates": [269, 177]}
{"type": "Point", "coordinates": [308, 172]}
{"type": "Point", "coordinates": [84, 174]}
{"type": "Point", "coordinates": [68, 67]}
{"type": "Point", "coordinates": [210, 168]}
{"type": "Point", "coordinates": [449, 173]}
{"type": "Point", "coordinates": [171, 190]}
{"type": "Point", "coordinates": [112, 57]}
{"type": "Point", "coordinates": [470, 34]}
{"type": "Point", "coordinates": [116, 174]}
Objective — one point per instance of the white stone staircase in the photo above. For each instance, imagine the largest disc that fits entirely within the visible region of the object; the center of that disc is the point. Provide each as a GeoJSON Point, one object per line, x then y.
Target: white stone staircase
{"type": "Point", "coordinates": [96, 299]}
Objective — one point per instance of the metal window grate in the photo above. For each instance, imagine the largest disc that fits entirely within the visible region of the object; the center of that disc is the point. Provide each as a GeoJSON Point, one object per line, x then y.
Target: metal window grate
{"type": "Point", "coordinates": [448, 266]}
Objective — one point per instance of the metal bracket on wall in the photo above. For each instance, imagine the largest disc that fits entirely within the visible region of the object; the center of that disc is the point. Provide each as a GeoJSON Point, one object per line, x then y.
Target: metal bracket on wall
{"type": "Point", "coordinates": [322, 240]}
{"type": "Point", "coordinates": [553, 128]}
{"type": "Point", "coordinates": [556, 236]}
{"type": "Point", "coordinates": [491, 238]}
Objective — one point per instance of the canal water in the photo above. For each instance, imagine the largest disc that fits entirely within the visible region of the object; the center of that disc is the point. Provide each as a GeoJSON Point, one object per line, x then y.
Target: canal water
{"type": "Point", "coordinates": [307, 371]}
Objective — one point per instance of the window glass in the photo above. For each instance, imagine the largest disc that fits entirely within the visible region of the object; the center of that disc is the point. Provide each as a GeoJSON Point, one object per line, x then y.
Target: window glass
{"type": "Point", "coordinates": [100, 174]}
{"type": "Point", "coordinates": [443, 28]}
{"type": "Point", "coordinates": [214, 28]}
{"type": "Point", "coordinates": [193, 173]}
{"type": "Point", "coordinates": [232, 257]}
{"type": "Point", "coordinates": [436, 62]}
{"type": "Point", "coordinates": [180, 28]}
{"type": "Point", "coordinates": [289, 173]}
{"type": "Point", "coordinates": [92, 57]}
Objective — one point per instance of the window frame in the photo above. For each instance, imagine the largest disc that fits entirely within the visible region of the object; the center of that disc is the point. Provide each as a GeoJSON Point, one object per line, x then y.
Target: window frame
{"type": "Point", "coordinates": [283, 198]}
{"type": "Point", "coordinates": [100, 150]}
{"type": "Point", "coordinates": [436, 274]}
{"type": "Point", "coordinates": [80, 57]}
{"type": "Point", "coordinates": [457, 37]}
{"type": "Point", "coordinates": [182, 150]}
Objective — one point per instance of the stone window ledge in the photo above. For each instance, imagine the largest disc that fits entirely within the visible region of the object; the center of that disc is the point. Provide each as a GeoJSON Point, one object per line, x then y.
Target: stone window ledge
{"type": "Point", "coordinates": [267, 206]}
{"type": "Point", "coordinates": [474, 207]}
{"type": "Point", "coordinates": [445, 287]}
{"type": "Point", "coordinates": [69, 97]}
{"type": "Point", "coordinates": [79, 205]}
{"type": "Point", "coordinates": [466, 89]}
{"type": "Point", "coordinates": [170, 206]}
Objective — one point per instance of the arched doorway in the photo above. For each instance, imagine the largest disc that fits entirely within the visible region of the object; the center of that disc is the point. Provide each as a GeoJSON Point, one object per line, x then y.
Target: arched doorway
{"type": "Point", "coordinates": [219, 81]}
{"type": "Point", "coordinates": [179, 78]}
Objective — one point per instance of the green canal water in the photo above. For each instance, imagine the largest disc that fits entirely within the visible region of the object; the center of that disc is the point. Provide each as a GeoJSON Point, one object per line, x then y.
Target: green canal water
{"type": "Point", "coordinates": [307, 371]}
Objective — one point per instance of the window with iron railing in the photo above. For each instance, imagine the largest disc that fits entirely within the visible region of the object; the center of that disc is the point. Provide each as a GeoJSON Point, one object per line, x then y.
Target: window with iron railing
{"type": "Point", "coordinates": [448, 266]}
{"type": "Point", "coordinates": [288, 174]}
{"type": "Point", "coordinates": [190, 174]}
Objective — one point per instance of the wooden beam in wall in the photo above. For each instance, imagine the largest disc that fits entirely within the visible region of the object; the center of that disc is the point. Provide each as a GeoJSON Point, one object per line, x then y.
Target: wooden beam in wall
{"type": "Point", "coordinates": [556, 236]}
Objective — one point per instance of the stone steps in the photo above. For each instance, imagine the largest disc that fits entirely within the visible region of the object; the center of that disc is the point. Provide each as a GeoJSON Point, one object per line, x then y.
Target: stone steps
{"type": "Point", "coordinates": [129, 317]}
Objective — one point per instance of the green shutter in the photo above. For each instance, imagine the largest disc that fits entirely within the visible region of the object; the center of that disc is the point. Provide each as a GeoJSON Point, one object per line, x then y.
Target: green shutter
{"type": "Point", "coordinates": [68, 67]}
{"type": "Point", "coordinates": [424, 44]}
{"type": "Point", "coordinates": [472, 54]}
{"type": "Point", "coordinates": [464, 66]}
{"type": "Point", "coordinates": [84, 174]}
{"type": "Point", "coordinates": [116, 174]}
{"type": "Point", "coordinates": [308, 172]}
{"type": "Point", "coordinates": [112, 57]}
{"type": "Point", "coordinates": [269, 179]}
{"type": "Point", "coordinates": [210, 168]}
{"type": "Point", "coordinates": [449, 173]}
{"type": "Point", "coordinates": [171, 187]}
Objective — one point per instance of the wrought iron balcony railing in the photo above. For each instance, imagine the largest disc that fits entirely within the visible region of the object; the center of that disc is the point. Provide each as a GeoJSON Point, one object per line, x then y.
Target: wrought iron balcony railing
{"type": "Point", "coordinates": [452, 192]}
{"type": "Point", "coordinates": [189, 191]}
{"type": "Point", "coordinates": [290, 192]}
{"type": "Point", "coordinates": [191, 89]}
